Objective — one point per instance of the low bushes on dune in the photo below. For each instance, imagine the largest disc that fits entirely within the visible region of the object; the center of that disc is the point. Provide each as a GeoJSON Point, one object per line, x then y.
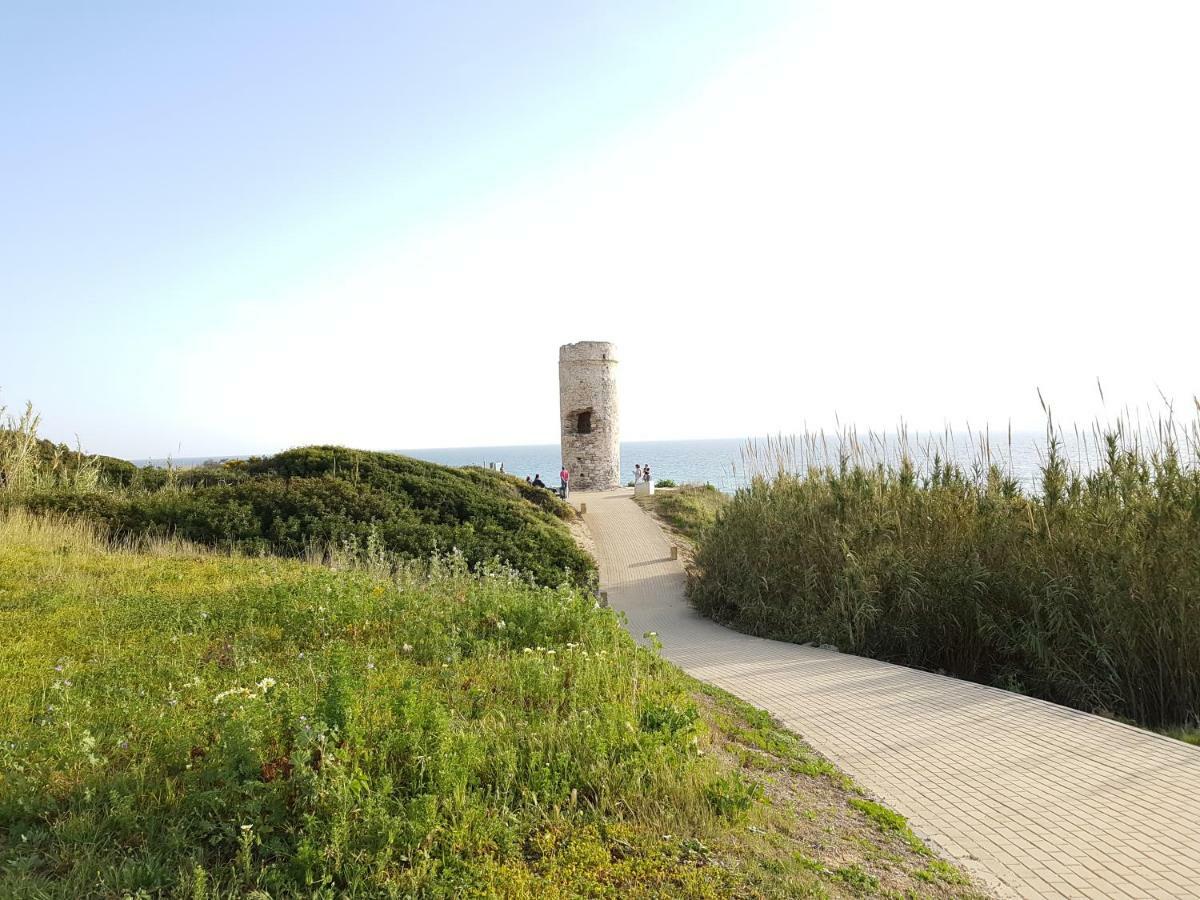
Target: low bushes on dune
{"type": "Point", "coordinates": [308, 499]}
{"type": "Point", "coordinates": [302, 502]}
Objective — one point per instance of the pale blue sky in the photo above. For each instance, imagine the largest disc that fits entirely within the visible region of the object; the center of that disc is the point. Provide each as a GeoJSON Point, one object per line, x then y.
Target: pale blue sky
{"type": "Point", "coordinates": [235, 227]}
{"type": "Point", "coordinates": [163, 162]}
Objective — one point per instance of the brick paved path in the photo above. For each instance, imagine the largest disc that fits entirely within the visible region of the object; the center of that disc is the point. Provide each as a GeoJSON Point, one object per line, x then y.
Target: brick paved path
{"type": "Point", "coordinates": [1035, 800]}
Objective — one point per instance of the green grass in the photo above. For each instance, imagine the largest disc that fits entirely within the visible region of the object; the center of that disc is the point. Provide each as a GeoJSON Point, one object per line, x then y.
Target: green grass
{"type": "Point", "coordinates": [1187, 735]}
{"type": "Point", "coordinates": [689, 510]}
{"type": "Point", "coordinates": [1085, 592]}
{"type": "Point", "coordinates": [861, 882]}
{"type": "Point", "coordinates": [178, 723]}
{"type": "Point", "coordinates": [887, 820]}
{"type": "Point", "coordinates": [883, 817]}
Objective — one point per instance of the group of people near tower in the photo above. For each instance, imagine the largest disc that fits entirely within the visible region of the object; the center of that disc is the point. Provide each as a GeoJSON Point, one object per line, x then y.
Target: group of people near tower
{"type": "Point", "coordinates": [640, 473]}
{"type": "Point", "coordinates": [564, 478]}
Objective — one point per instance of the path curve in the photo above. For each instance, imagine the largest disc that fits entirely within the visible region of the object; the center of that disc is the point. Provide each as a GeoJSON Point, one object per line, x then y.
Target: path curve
{"type": "Point", "coordinates": [1034, 799]}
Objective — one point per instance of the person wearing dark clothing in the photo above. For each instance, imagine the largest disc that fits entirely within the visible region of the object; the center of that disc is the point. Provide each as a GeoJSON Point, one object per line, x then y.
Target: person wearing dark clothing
{"type": "Point", "coordinates": [537, 481]}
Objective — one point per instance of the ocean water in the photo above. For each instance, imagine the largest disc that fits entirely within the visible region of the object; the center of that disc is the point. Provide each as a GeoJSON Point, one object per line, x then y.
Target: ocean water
{"type": "Point", "coordinates": [728, 464]}
{"type": "Point", "coordinates": [713, 461]}
{"type": "Point", "coordinates": [709, 461]}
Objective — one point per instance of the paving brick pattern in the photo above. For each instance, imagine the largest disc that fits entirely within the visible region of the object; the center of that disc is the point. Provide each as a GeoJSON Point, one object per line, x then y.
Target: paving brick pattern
{"type": "Point", "coordinates": [1034, 799]}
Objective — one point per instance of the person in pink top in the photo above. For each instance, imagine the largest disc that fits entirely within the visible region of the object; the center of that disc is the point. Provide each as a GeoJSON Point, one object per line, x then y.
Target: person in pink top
{"type": "Point", "coordinates": [565, 477]}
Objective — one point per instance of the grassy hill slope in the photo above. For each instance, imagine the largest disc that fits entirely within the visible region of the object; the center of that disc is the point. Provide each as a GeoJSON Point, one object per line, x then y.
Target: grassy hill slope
{"type": "Point", "coordinates": [180, 723]}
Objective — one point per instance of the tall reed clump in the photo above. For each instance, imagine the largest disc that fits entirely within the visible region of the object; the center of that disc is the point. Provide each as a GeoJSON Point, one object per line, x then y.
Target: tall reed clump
{"type": "Point", "coordinates": [1084, 590]}
{"type": "Point", "coordinates": [29, 463]}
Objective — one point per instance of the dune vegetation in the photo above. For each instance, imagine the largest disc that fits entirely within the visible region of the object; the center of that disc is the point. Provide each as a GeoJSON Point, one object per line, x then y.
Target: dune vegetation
{"type": "Point", "coordinates": [687, 510]}
{"type": "Point", "coordinates": [302, 503]}
{"type": "Point", "coordinates": [1084, 591]}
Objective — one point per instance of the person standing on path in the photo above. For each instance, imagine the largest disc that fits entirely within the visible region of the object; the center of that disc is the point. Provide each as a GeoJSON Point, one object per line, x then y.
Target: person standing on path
{"type": "Point", "coordinates": [646, 473]}
{"type": "Point", "coordinates": [637, 474]}
{"type": "Point", "coordinates": [565, 477]}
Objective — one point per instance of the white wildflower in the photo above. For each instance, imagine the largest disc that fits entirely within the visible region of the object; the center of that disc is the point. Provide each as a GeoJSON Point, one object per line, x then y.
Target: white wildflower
{"type": "Point", "coordinates": [229, 693]}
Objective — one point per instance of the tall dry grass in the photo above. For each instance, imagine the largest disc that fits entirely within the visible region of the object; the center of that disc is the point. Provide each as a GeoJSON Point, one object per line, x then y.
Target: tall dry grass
{"type": "Point", "coordinates": [1084, 590]}
{"type": "Point", "coordinates": [64, 532]}
{"type": "Point", "coordinates": [28, 463]}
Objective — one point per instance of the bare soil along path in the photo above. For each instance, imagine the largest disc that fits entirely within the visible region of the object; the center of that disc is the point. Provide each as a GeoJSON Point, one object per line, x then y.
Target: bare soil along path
{"type": "Point", "coordinates": [1034, 799]}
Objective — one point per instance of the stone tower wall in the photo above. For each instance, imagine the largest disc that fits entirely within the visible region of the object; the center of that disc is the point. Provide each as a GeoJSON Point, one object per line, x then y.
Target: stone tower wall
{"type": "Point", "coordinates": [589, 415]}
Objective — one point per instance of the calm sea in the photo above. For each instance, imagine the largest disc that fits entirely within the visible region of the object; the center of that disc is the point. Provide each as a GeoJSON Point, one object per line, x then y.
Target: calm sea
{"type": "Point", "coordinates": [728, 464]}
{"type": "Point", "coordinates": [725, 463]}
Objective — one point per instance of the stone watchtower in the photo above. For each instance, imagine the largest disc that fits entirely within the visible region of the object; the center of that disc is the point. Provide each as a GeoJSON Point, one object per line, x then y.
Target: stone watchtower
{"type": "Point", "coordinates": [587, 400]}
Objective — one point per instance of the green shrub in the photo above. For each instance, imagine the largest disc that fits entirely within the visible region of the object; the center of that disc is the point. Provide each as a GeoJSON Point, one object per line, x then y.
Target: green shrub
{"type": "Point", "coordinates": [312, 499]}
{"type": "Point", "coordinates": [1087, 593]}
{"type": "Point", "coordinates": [664, 483]}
